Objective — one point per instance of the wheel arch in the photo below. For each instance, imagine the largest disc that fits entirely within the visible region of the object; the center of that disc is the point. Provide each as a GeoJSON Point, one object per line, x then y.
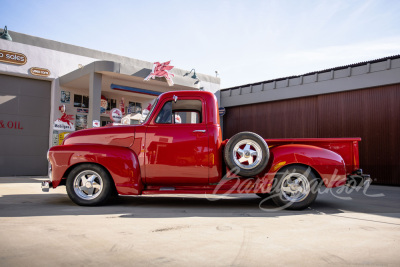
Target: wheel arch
{"type": "Point", "coordinates": [325, 164]}
{"type": "Point", "coordinates": [70, 168]}
{"type": "Point", "coordinates": [313, 170]}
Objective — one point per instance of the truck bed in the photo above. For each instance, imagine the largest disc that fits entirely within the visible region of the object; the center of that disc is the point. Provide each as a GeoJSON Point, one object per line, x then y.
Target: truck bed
{"type": "Point", "coordinates": [345, 147]}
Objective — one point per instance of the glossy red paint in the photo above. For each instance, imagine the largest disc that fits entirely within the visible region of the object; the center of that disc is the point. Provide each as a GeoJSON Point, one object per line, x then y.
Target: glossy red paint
{"type": "Point", "coordinates": [113, 136]}
{"type": "Point", "coordinates": [152, 158]}
{"type": "Point", "coordinates": [347, 148]}
{"type": "Point", "coordinates": [177, 154]}
{"type": "Point", "coordinates": [329, 165]}
{"type": "Point", "coordinates": [120, 162]}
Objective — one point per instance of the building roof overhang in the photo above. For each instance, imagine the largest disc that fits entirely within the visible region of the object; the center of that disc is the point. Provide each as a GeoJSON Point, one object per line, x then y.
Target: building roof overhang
{"type": "Point", "coordinates": [119, 72]}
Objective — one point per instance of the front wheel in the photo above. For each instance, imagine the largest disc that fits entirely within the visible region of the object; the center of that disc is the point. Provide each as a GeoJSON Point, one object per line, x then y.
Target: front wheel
{"type": "Point", "coordinates": [295, 188]}
{"type": "Point", "coordinates": [89, 185]}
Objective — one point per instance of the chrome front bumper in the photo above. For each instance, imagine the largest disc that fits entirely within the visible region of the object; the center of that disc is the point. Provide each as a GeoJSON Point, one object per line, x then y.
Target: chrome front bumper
{"type": "Point", "coordinates": [47, 184]}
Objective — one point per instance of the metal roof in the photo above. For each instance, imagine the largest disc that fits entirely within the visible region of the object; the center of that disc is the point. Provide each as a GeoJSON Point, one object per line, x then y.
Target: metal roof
{"type": "Point", "coordinates": [320, 71]}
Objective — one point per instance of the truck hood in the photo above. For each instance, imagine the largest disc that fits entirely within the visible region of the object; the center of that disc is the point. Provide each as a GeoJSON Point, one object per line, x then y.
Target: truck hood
{"type": "Point", "coordinates": [115, 136]}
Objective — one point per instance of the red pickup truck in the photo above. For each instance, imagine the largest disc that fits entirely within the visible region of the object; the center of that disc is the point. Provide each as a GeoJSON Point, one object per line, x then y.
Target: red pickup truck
{"type": "Point", "coordinates": [179, 149]}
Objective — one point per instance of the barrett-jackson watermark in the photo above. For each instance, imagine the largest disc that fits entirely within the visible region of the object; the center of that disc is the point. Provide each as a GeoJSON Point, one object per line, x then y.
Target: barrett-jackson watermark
{"type": "Point", "coordinates": [242, 186]}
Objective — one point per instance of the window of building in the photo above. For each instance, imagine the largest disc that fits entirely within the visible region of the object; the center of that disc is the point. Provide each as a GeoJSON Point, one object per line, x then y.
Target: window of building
{"type": "Point", "coordinates": [81, 101]}
{"type": "Point", "coordinates": [111, 103]}
{"type": "Point", "coordinates": [134, 107]}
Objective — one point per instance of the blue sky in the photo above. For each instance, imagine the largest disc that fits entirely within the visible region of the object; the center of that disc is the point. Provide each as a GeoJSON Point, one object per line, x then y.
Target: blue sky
{"type": "Point", "coordinates": [245, 41]}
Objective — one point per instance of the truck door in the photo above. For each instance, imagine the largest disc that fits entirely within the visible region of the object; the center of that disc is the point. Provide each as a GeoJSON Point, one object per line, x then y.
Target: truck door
{"type": "Point", "coordinates": [177, 144]}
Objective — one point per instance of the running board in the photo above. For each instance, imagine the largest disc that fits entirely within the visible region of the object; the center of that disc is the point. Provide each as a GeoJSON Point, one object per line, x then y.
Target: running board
{"type": "Point", "coordinates": [167, 188]}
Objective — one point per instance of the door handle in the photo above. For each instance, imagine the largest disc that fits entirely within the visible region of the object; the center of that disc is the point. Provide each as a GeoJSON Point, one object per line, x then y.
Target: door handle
{"type": "Point", "coordinates": [199, 131]}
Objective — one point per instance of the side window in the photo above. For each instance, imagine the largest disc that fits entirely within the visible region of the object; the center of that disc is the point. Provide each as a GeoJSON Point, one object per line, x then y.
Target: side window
{"type": "Point", "coordinates": [165, 115]}
{"type": "Point", "coordinates": [181, 112]}
{"type": "Point", "coordinates": [187, 117]}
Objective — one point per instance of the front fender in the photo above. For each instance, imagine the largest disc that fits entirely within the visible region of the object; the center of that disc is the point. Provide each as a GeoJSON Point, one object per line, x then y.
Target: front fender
{"type": "Point", "coordinates": [329, 165]}
{"type": "Point", "coordinates": [121, 162]}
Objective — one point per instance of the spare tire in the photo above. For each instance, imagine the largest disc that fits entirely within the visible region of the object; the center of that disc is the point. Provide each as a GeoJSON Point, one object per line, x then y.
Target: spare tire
{"type": "Point", "coordinates": [248, 153]}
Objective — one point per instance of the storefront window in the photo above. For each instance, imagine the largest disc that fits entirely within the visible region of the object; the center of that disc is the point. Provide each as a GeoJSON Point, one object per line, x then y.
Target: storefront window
{"type": "Point", "coordinates": [77, 101]}
{"type": "Point", "coordinates": [112, 103]}
{"type": "Point", "coordinates": [81, 101]}
{"type": "Point", "coordinates": [134, 107]}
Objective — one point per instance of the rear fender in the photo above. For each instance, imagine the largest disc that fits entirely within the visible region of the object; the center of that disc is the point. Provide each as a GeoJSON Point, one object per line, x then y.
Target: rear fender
{"type": "Point", "coordinates": [329, 165]}
{"type": "Point", "coordinates": [121, 162]}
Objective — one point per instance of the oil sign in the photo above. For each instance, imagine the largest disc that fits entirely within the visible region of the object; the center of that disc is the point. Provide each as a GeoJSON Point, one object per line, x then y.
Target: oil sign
{"type": "Point", "coordinates": [12, 57]}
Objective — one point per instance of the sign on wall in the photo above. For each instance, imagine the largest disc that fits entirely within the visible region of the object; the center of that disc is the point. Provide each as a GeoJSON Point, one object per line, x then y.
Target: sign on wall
{"type": "Point", "coordinates": [162, 70]}
{"type": "Point", "coordinates": [12, 57]}
{"type": "Point", "coordinates": [11, 125]}
{"type": "Point", "coordinates": [221, 111]}
{"type": "Point", "coordinates": [65, 97]}
{"type": "Point", "coordinates": [40, 72]}
{"type": "Point", "coordinates": [61, 137]}
{"type": "Point", "coordinates": [65, 122]}
{"type": "Point", "coordinates": [81, 121]}
{"type": "Point", "coordinates": [55, 138]}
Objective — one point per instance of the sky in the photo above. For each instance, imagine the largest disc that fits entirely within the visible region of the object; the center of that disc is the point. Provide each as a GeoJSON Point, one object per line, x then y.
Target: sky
{"type": "Point", "coordinates": [245, 41]}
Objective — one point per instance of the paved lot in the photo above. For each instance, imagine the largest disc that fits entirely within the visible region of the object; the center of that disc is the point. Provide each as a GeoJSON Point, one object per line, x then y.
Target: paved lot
{"type": "Point", "coordinates": [47, 229]}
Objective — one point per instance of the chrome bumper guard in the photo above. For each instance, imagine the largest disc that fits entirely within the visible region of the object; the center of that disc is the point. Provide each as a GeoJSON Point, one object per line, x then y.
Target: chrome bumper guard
{"type": "Point", "coordinates": [46, 186]}
{"type": "Point", "coordinates": [358, 179]}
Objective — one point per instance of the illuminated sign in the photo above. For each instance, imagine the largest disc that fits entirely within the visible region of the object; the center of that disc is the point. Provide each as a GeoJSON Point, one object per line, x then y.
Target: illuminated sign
{"type": "Point", "coordinates": [40, 72]}
{"type": "Point", "coordinates": [12, 57]}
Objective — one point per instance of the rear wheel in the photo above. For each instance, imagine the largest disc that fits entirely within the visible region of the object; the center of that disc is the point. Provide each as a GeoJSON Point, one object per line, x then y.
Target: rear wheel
{"type": "Point", "coordinates": [248, 153]}
{"type": "Point", "coordinates": [89, 185]}
{"type": "Point", "coordinates": [296, 188]}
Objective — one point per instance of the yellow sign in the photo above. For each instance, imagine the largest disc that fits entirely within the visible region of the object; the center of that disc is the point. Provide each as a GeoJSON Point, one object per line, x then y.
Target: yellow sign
{"type": "Point", "coordinates": [12, 57]}
{"type": "Point", "coordinates": [40, 72]}
{"type": "Point", "coordinates": [61, 137]}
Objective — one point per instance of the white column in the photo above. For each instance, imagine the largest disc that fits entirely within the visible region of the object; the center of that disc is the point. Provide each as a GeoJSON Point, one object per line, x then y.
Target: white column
{"type": "Point", "coordinates": [94, 98]}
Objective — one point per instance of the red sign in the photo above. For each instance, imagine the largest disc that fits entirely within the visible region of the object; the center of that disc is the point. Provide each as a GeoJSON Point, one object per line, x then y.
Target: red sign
{"type": "Point", "coordinates": [64, 123]}
{"type": "Point", "coordinates": [116, 115]}
{"type": "Point", "coordinates": [11, 125]}
{"type": "Point", "coordinates": [161, 70]}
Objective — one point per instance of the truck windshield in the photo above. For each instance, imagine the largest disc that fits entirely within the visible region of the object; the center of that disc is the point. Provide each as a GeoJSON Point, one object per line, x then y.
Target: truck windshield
{"type": "Point", "coordinates": [151, 111]}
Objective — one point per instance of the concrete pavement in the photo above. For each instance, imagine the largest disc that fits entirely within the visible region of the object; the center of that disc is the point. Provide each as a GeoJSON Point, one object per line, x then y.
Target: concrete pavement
{"type": "Point", "coordinates": [47, 229]}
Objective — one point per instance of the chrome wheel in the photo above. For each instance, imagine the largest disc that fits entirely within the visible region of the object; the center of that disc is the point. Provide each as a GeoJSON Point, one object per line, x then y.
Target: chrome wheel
{"type": "Point", "coordinates": [295, 187]}
{"type": "Point", "coordinates": [88, 185]}
{"type": "Point", "coordinates": [247, 154]}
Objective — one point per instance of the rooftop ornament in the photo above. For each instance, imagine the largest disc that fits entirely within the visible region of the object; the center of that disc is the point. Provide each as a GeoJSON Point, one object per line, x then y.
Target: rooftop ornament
{"type": "Point", "coordinates": [5, 34]}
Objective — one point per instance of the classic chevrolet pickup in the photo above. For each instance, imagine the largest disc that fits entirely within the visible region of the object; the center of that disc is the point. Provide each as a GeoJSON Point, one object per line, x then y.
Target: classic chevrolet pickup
{"type": "Point", "coordinates": [179, 149]}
